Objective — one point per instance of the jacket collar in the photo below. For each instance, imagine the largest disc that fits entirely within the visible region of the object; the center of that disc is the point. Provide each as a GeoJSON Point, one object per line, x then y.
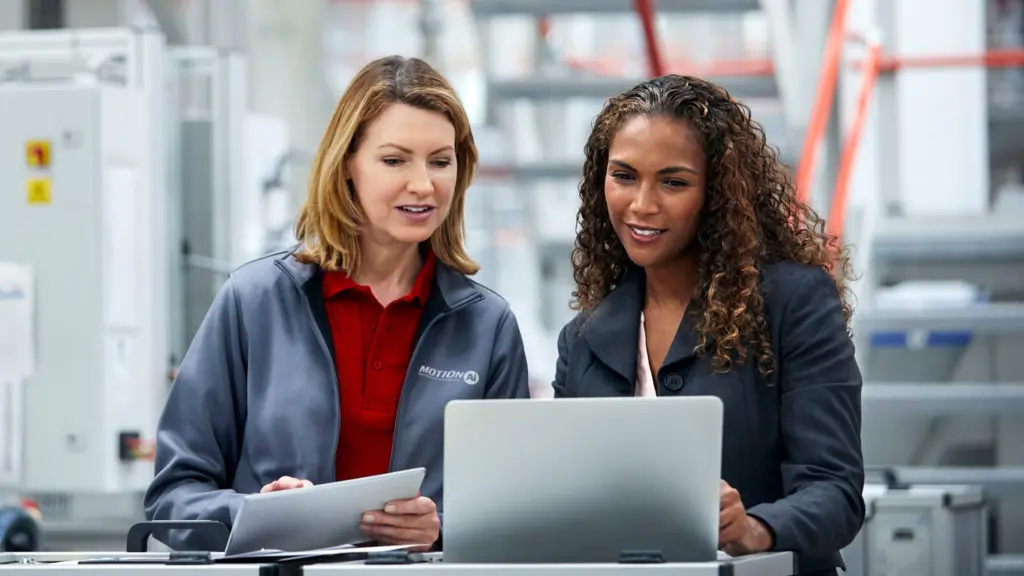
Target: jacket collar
{"type": "Point", "coordinates": [612, 330]}
{"type": "Point", "coordinates": [451, 289]}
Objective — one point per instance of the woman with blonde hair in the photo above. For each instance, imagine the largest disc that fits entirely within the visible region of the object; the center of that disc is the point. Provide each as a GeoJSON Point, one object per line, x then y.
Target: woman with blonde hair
{"type": "Point", "coordinates": [335, 360]}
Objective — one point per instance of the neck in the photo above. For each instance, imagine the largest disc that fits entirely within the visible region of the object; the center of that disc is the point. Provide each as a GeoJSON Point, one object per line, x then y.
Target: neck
{"type": "Point", "coordinates": [390, 268]}
{"type": "Point", "coordinates": [672, 285]}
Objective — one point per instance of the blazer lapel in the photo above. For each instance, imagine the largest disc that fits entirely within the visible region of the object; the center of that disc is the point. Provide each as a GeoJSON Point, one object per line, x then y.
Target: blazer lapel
{"type": "Point", "coordinates": [612, 330]}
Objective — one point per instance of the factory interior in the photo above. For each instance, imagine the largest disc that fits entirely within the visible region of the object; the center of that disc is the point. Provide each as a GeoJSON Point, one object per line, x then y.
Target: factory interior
{"type": "Point", "coordinates": [150, 147]}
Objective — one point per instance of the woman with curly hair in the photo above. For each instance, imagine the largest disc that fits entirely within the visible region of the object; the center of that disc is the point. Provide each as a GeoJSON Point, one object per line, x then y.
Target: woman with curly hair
{"type": "Point", "coordinates": [699, 273]}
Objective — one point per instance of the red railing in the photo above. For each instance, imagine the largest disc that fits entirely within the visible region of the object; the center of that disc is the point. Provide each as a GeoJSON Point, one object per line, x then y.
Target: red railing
{"type": "Point", "coordinates": [645, 11]}
{"type": "Point", "coordinates": [824, 97]}
{"type": "Point", "coordinates": [837, 211]}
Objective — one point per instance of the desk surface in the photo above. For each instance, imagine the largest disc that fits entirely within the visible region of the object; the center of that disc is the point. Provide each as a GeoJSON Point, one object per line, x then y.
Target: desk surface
{"type": "Point", "coordinates": [774, 564]}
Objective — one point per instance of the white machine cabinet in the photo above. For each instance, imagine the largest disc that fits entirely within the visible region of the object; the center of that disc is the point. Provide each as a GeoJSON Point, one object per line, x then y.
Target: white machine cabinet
{"type": "Point", "coordinates": [920, 531]}
{"type": "Point", "coordinates": [81, 208]}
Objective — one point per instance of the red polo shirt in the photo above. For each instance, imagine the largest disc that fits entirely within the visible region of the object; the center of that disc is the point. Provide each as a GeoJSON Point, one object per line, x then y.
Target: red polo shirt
{"type": "Point", "coordinates": [372, 349]}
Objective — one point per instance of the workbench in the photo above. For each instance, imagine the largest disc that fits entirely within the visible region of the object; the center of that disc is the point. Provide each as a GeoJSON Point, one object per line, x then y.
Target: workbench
{"type": "Point", "coordinates": [42, 564]}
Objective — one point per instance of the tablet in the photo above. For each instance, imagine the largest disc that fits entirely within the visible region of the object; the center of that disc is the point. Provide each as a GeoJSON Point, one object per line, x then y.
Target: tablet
{"type": "Point", "coordinates": [318, 516]}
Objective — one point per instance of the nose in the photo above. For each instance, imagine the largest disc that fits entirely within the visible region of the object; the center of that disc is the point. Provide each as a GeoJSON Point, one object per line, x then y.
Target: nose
{"type": "Point", "coordinates": [419, 180]}
{"type": "Point", "coordinates": [645, 201]}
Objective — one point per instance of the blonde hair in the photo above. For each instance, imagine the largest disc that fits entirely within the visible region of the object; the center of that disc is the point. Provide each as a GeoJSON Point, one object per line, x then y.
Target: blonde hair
{"type": "Point", "coordinates": [328, 221]}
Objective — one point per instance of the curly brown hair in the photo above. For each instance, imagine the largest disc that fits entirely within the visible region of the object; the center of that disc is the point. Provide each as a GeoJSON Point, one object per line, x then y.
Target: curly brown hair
{"type": "Point", "coordinates": [751, 218]}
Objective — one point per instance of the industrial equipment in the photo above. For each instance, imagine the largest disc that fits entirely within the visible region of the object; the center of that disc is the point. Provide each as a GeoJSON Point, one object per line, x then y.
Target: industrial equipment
{"type": "Point", "coordinates": [83, 115]}
{"type": "Point", "coordinates": [88, 225]}
{"type": "Point", "coordinates": [138, 173]}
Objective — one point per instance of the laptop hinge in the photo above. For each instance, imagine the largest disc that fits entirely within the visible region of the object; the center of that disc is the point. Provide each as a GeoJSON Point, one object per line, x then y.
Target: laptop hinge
{"type": "Point", "coordinates": [641, 557]}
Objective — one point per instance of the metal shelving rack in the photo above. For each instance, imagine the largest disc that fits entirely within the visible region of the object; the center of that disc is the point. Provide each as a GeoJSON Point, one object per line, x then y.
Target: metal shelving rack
{"type": "Point", "coordinates": [986, 251]}
{"type": "Point", "coordinates": [553, 83]}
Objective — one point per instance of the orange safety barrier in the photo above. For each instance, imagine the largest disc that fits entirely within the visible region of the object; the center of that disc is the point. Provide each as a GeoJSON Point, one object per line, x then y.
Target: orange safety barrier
{"type": "Point", "coordinates": [823, 99]}
{"type": "Point", "coordinates": [837, 211]}
{"type": "Point", "coordinates": [874, 65]}
{"type": "Point", "coordinates": [1001, 58]}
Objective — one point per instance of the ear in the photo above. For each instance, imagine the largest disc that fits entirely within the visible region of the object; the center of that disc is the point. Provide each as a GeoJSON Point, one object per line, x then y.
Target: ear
{"type": "Point", "coordinates": [348, 163]}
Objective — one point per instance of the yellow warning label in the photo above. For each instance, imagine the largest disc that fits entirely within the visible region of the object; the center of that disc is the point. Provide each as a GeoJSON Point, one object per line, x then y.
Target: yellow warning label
{"type": "Point", "coordinates": [37, 153]}
{"type": "Point", "coordinates": [37, 191]}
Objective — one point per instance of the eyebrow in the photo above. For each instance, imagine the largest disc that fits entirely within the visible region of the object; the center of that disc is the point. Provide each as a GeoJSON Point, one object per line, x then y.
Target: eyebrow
{"type": "Point", "coordinates": [666, 170]}
{"type": "Point", "coordinates": [408, 151]}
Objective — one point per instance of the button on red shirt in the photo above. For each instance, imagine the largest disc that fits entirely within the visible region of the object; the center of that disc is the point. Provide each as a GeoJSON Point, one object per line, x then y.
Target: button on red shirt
{"type": "Point", "coordinates": [372, 349]}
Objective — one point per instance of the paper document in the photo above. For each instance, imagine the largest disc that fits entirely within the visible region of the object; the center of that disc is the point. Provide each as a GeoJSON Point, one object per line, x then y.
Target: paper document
{"type": "Point", "coordinates": [343, 550]}
{"type": "Point", "coordinates": [17, 320]}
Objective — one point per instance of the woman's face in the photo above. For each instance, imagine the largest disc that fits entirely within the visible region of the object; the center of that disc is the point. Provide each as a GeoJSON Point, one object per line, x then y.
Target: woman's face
{"type": "Point", "coordinates": [404, 173]}
{"type": "Point", "coordinates": [654, 188]}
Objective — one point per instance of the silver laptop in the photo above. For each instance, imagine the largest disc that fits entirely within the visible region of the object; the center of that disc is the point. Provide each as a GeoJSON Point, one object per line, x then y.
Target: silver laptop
{"type": "Point", "coordinates": [582, 480]}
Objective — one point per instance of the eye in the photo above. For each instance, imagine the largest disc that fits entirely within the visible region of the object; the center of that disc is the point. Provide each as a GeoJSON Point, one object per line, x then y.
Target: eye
{"type": "Point", "coordinates": [391, 161]}
{"type": "Point", "coordinates": [623, 176]}
{"type": "Point", "coordinates": [676, 183]}
{"type": "Point", "coordinates": [443, 162]}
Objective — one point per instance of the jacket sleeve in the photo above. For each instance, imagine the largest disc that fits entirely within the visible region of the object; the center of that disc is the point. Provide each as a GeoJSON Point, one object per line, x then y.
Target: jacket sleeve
{"type": "Point", "coordinates": [198, 437]}
{"type": "Point", "coordinates": [820, 420]}
{"type": "Point", "coordinates": [510, 374]}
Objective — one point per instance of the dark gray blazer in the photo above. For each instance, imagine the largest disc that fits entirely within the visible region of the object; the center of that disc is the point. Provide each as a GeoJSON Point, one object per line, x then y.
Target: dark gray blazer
{"type": "Point", "coordinates": [791, 450]}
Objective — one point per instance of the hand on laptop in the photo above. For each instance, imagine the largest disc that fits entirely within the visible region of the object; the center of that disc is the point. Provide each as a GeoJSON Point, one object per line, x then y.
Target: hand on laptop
{"type": "Point", "coordinates": [285, 483]}
{"type": "Point", "coordinates": [412, 521]}
{"type": "Point", "coordinates": [739, 534]}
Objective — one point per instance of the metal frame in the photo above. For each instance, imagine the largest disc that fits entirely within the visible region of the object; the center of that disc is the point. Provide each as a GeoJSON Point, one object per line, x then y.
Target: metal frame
{"type": "Point", "coordinates": [930, 398]}
{"type": "Point", "coordinates": [1002, 318]}
{"type": "Point", "coordinates": [212, 250]}
{"type": "Point", "coordinates": [599, 87]}
{"type": "Point", "coordinates": [540, 8]}
{"type": "Point", "coordinates": [987, 251]}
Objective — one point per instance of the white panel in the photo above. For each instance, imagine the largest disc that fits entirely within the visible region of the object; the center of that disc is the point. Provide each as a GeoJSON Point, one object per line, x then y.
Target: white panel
{"type": "Point", "coordinates": [121, 245]}
{"type": "Point", "coordinates": [135, 356]}
{"type": "Point", "coordinates": [100, 361]}
{"type": "Point", "coordinates": [942, 112]}
{"type": "Point", "coordinates": [61, 241]}
{"type": "Point", "coordinates": [12, 15]}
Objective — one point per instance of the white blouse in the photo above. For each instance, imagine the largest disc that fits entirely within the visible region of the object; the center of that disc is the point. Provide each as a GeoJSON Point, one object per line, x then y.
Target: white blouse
{"type": "Point", "coordinates": [644, 377]}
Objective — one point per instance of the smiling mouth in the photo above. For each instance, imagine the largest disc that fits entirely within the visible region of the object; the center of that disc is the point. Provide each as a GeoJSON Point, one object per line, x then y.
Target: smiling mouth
{"type": "Point", "coordinates": [645, 231]}
{"type": "Point", "coordinates": [416, 209]}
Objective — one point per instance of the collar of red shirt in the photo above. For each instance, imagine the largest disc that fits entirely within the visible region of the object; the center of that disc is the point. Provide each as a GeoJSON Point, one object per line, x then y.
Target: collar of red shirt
{"type": "Point", "coordinates": [336, 282]}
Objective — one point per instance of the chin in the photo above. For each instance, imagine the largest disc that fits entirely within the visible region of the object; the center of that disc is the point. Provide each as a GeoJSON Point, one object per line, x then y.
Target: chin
{"type": "Point", "coordinates": [642, 259]}
{"type": "Point", "coordinates": [408, 235]}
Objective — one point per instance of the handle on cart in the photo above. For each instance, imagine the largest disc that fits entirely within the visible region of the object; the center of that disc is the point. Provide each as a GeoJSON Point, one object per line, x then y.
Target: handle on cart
{"type": "Point", "coordinates": [886, 475]}
{"type": "Point", "coordinates": [139, 533]}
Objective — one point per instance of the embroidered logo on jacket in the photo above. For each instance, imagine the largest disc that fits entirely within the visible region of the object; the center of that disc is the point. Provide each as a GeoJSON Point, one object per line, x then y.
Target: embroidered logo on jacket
{"type": "Point", "coordinates": [468, 376]}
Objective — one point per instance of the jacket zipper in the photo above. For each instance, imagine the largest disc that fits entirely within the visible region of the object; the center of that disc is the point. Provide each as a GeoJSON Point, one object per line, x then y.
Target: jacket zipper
{"type": "Point", "coordinates": [330, 363]}
{"type": "Point", "coordinates": [412, 365]}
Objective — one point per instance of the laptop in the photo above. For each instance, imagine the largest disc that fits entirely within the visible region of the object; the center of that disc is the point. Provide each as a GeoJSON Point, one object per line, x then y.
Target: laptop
{"type": "Point", "coordinates": [316, 517]}
{"type": "Point", "coordinates": [582, 480]}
